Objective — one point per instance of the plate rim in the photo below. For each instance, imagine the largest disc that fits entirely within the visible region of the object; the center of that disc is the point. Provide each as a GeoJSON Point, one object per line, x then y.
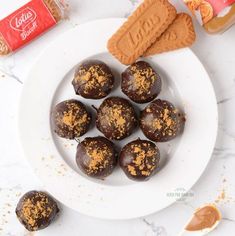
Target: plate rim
{"type": "Point", "coordinates": [21, 101]}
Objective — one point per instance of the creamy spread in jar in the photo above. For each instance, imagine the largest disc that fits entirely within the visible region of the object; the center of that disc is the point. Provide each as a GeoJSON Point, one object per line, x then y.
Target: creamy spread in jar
{"type": "Point", "coordinates": [215, 15]}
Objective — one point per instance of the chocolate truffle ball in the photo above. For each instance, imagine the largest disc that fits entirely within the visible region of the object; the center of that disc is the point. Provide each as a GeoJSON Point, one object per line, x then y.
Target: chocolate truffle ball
{"type": "Point", "coordinates": [116, 118]}
{"type": "Point", "coordinates": [36, 210]}
{"type": "Point", "coordinates": [139, 159]}
{"type": "Point", "coordinates": [70, 119]}
{"type": "Point", "coordinates": [96, 157]}
{"type": "Point", "coordinates": [160, 121]}
{"type": "Point", "coordinates": [93, 79]}
{"type": "Point", "coordinates": [140, 82]}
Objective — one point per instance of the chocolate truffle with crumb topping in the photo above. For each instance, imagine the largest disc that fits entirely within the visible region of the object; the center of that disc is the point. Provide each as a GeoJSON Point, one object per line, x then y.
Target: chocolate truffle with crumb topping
{"type": "Point", "coordinates": [96, 157]}
{"type": "Point", "coordinates": [93, 79]}
{"type": "Point", "coordinates": [160, 121]}
{"type": "Point", "coordinates": [70, 119]}
{"type": "Point", "coordinates": [116, 118]}
{"type": "Point", "coordinates": [139, 159]}
{"type": "Point", "coordinates": [140, 82]}
{"type": "Point", "coordinates": [36, 210]}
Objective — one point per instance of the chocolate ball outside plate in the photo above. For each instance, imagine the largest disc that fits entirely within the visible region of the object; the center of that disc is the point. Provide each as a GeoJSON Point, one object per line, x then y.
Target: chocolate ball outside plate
{"type": "Point", "coordinates": [140, 82]}
{"type": "Point", "coordinates": [139, 159]}
{"type": "Point", "coordinates": [70, 119]}
{"type": "Point", "coordinates": [93, 79]}
{"type": "Point", "coordinates": [96, 157]}
{"type": "Point", "coordinates": [116, 118]}
{"type": "Point", "coordinates": [160, 121]}
{"type": "Point", "coordinates": [36, 210]}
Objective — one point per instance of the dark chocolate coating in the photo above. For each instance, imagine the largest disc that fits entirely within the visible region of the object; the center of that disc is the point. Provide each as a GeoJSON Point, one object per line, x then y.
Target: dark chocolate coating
{"type": "Point", "coordinates": [116, 118]}
{"type": "Point", "coordinates": [96, 157]}
{"type": "Point", "coordinates": [140, 82]}
{"type": "Point", "coordinates": [160, 121]}
{"type": "Point", "coordinates": [93, 79]}
{"type": "Point", "coordinates": [70, 119]}
{"type": "Point", "coordinates": [139, 159]}
{"type": "Point", "coordinates": [36, 210]}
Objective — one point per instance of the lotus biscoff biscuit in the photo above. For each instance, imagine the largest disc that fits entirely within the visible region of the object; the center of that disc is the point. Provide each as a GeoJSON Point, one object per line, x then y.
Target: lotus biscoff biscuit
{"type": "Point", "coordinates": [180, 34]}
{"type": "Point", "coordinates": [141, 29]}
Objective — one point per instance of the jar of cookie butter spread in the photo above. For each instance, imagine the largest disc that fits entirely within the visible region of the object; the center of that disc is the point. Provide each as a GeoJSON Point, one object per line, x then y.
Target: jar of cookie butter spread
{"type": "Point", "coordinates": [214, 15]}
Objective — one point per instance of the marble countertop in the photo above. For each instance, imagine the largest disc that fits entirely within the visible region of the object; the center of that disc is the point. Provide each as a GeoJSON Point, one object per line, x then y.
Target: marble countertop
{"type": "Point", "coordinates": [216, 184]}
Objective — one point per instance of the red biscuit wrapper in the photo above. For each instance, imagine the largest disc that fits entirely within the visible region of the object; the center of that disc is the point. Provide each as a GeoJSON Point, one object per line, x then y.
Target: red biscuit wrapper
{"type": "Point", "coordinates": [28, 22]}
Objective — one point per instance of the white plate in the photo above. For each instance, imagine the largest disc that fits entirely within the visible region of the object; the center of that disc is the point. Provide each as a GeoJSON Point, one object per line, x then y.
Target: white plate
{"type": "Point", "coordinates": [185, 83]}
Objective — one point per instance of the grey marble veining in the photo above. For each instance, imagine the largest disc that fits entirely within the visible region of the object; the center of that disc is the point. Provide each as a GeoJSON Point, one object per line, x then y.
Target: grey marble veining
{"type": "Point", "coordinates": [16, 177]}
{"type": "Point", "coordinates": [6, 68]}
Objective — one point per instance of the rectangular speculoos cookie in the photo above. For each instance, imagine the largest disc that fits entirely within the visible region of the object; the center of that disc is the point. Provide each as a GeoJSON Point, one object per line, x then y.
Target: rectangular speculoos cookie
{"type": "Point", "coordinates": [180, 34]}
{"type": "Point", "coordinates": [141, 29]}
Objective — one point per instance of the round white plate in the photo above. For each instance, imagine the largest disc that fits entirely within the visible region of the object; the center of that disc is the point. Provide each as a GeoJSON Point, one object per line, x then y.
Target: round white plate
{"type": "Point", "coordinates": [185, 83]}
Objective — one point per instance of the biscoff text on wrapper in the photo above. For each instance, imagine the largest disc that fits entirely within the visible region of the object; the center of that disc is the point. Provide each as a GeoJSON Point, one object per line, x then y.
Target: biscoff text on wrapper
{"type": "Point", "coordinates": [28, 22]}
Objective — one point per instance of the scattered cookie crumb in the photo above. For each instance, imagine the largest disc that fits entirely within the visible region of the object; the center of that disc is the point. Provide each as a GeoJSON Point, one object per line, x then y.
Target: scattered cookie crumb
{"type": "Point", "coordinates": [223, 196]}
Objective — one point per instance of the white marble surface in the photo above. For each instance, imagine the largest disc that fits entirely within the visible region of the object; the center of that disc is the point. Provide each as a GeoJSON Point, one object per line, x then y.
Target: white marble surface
{"type": "Point", "coordinates": [215, 52]}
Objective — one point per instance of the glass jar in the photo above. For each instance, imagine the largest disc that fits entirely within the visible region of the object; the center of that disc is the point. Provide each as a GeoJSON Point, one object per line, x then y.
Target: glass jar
{"type": "Point", "coordinates": [214, 15]}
